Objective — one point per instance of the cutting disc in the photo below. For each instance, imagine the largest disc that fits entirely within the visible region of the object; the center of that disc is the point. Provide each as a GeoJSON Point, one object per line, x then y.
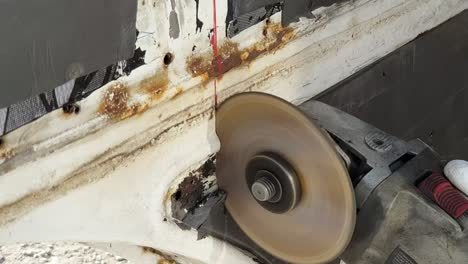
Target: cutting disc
{"type": "Point", "coordinates": [321, 224]}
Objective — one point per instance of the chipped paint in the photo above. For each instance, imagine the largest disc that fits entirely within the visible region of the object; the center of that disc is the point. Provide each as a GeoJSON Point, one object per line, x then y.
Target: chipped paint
{"type": "Point", "coordinates": [192, 189]}
{"type": "Point", "coordinates": [189, 193]}
{"type": "Point", "coordinates": [174, 27]}
{"type": "Point", "coordinates": [231, 55]}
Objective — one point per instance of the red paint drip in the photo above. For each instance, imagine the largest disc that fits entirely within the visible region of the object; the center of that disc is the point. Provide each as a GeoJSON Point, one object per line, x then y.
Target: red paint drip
{"type": "Point", "coordinates": [214, 44]}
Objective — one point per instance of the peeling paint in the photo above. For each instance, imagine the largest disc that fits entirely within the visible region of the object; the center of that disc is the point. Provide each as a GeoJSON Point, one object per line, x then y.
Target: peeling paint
{"type": "Point", "coordinates": [136, 61]}
{"type": "Point", "coordinates": [188, 194]}
{"type": "Point", "coordinates": [199, 24]}
{"type": "Point", "coordinates": [191, 191]}
{"type": "Point", "coordinates": [174, 27]}
{"type": "Point", "coordinates": [232, 56]}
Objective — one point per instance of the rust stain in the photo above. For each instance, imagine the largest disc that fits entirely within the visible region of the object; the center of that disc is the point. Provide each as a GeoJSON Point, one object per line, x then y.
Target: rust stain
{"type": "Point", "coordinates": [116, 102]}
{"type": "Point", "coordinates": [166, 261]}
{"type": "Point", "coordinates": [163, 258]}
{"type": "Point", "coordinates": [275, 36]}
{"type": "Point", "coordinates": [5, 153]}
{"type": "Point", "coordinates": [157, 85]}
{"type": "Point", "coordinates": [150, 250]}
{"type": "Point", "coordinates": [178, 92]}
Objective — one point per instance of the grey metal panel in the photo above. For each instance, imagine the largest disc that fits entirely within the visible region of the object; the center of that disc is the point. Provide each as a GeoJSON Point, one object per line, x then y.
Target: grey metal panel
{"type": "Point", "coordinates": [49, 42]}
{"type": "Point", "coordinates": [241, 7]}
{"type": "Point", "coordinates": [294, 9]}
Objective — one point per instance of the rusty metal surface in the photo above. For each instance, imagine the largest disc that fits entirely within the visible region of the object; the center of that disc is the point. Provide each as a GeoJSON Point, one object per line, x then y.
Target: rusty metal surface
{"type": "Point", "coordinates": [191, 192]}
{"type": "Point", "coordinates": [231, 55]}
{"type": "Point", "coordinates": [118, 103]}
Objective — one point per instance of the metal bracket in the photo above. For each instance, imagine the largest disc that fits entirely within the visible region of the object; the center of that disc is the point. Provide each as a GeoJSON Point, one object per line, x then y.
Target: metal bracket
{"type": "Point", "coordinates": [378, 149]}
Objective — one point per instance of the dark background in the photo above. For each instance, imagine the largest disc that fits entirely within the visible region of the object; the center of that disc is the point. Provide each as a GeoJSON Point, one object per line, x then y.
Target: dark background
{"type": "Point", "coordinates": [417, 91]}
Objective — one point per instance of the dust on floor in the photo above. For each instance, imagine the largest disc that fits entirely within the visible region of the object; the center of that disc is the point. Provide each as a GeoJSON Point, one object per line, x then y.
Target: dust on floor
{"type": "Point", "coordinates": [56, 253]}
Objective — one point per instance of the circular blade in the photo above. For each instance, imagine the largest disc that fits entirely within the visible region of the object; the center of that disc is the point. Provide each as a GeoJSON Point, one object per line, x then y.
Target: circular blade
{"type": "Point", "coordinates": [319, 228]}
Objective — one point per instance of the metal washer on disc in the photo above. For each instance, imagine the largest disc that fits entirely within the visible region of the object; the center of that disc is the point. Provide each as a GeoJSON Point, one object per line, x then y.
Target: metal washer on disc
{"type": "Point", "coordinates": [320, 225]}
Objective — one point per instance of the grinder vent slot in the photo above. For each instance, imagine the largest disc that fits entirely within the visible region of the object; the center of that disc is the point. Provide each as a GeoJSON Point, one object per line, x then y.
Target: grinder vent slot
{"type": "Point", "coordinates": [402, 160]}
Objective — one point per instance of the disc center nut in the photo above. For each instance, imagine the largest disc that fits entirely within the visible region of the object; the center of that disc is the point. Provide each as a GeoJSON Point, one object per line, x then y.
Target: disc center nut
{"type": "Point", "coordinates": [266, 187]}
{"type": "Point", "coordinates": [263, 189]}
{"type": "Point", "coordinates": [273, 183]}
